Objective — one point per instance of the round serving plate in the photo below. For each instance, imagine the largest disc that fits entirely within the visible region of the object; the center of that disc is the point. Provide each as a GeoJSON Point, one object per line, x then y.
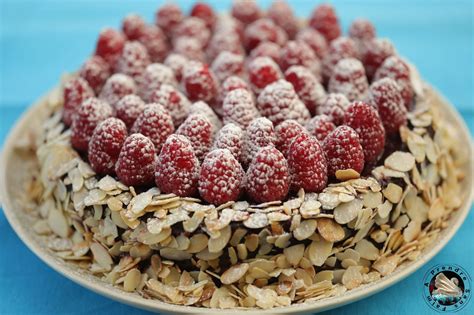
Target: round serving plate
{"type": "Point", "coordinates": [17, 160]}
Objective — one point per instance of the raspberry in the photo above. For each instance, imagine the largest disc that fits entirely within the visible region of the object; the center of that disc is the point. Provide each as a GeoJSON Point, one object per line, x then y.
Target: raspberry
{"type": "Point", "coordinates": [91, 112]}
{"type": "Point", "coordinates": [285, 133]}
{"type": "Point", "coordinates": [268, 177]}
{"type": "Point", "coordinates": [227, 24]}
{"type": "Point", "coordinates": [176, 62]}
{"type": "Point", "coordinates": [168, 17]}
{"type": "Point", "coordinates": [239, 108]}
{"type": "Point", "coordinates": [228, 64]}
{"type": "Point", "coordinates": [105, 145]}
{"type": "Point", "coordinates": [320, 126]}
{"type": "Point", "coordinates": [299, 54]}
{"type": "Point", "coordinates": [365, 120]}
{"type": "Point", "coordinates": [313, 39]}
{"type": "Point", "coordinates": [348, 78]}
{"type": "Point", "coordinates": [95, 71]}
{"type": "Point", "coordinates": [266, 49]}
{"type": "Point", "coordinates": [343, 151]}
{"type": "Point", "coordinates": [394, 67]}
{"type": "Point", "coordinates": [307, 164]}
{"type": "Point", "coordinates": [152, 78]}
{"type": "Point", "coordinates": [155, 42]}
{"type": "Point", "coordinates": [195, 28]}
{"type": "Point", "coordinates": [308, 88]}
{"type": "Point", "coordinates": [155, 123]}
{"type": "Point", "coordinates": [133, 26]}
{"type": "Point", "coordinates": [177, 168]}
{"type": "Point", "coordinates": [230, 137]}
{"type": "Point", "coordinates": [385, 95]}
{"type": "Point", "coordinates": [221, 177]}
{"type": "Point", "coordinates": [299, 112]}
{"type": "Point", "coordinates": [199, 82]}
{"type": "Point", "coordinates": [263, 30]}
{"type": "Point", "coordinates": [259, 134]}
{"type": "Point", "coordinates": [374, 54]}
{"type": "Point", "coordinates": [263, 71]}
{"type": "Point", "coordinates": [129, 108]}
{"type": "Point", "coordinates": [116, 87]}
{"type": "Point", "coordinates": [134, 59]}
{"type": "Point", "coordinates": [136, 162]}
{"type": "Point", "coordinates": [204, 12]}
{"type": "Point", "coordinates": [189, 47]}
{"type": "Point", "coordinates": [335, 106]}
{"type": "Point", "coordinates": [339, 49]}
{"type": "Point", "coordinates": [224, 41]}
{"type": "Point", "coordinates": [325, 21]}
{"type": "Point", "coordinates": [198, 130]}
{"type": "Point", "coordinates": [277, 101]}
{"type": "Point", "coordinates": [246, 11]}
{"type": "Point", "coordinates": [110, 45]}
{"type": "Point", "coordinates": [362, 30]}
{"type": "Point", "coordinates": [233, 83]}
{"type": "Point", "coordinates": [203, 108]}
{"type": "Point", "coordinates": [173, 101]}
{"type": "Point", "coordinates": [282, 14]}
{"type": "Point", "coordinates": [75, 92]}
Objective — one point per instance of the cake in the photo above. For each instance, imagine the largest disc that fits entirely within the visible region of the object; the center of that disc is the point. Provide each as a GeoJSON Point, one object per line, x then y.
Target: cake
{"type": "Point", "coordinates": [248, 159]}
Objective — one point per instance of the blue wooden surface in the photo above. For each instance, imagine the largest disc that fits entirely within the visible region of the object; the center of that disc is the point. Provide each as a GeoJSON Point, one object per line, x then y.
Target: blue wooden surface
{"type": "Point", "coordinates": [39, 40]}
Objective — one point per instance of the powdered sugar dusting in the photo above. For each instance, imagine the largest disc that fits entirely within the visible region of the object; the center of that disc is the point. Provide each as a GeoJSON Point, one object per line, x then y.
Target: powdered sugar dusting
{"type": "Point", "coordinates": [134, 59]}
{"type": "Point", "coordinates": [230, 137]}
{"type": "Point", "coordinates": [309, 90]}
{"type": "Point", "coordinates": [129, 108]}
{"type": "Point", "coordinates": [228, 64]}
{"type": "Point", "coordinates": [349, 78]}
{"type": "Point", "coordinates": [174, 101]}
{"type": "Point", "coordinates": [239, 108]}
{"type": "Point", "coordinates": [259, 133]}
{"type": "Point", "coordinates": [153, 77]}
{"type": "Point", "coordinates": [203, 108]}
{"type": "Point", "coordinates": [198, 130]}
{"type": "Point", "coordinates": [116, 87]}
{"type": "Point", "coordinates": [176, 62]}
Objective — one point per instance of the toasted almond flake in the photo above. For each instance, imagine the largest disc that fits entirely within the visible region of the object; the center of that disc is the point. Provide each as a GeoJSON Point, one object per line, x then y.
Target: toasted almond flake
{"type": "Point", "coordinates": [367, 250]}
{"type": "Point", "coordinates": [234, 273]}
{"type": "Point", "coordinates": [107, 183]}
{"type": "Point", "coordinates": [372, 199]}
{"type": "Point", "coordinates": [294, 254]}
{"type": "Point", "coordinates": [319, 251]}
{"type": "Point", "coordinates": [393, 193]}
{"type": "Point", "coordinates": [283, 240]}
{"type": "Point", "coordinates": [217, 244]}
{"type": "Point", "coordinates": [416, 145]}
{"type": "Point", "coordinates": [352, 278]}
{"type": "Point", "coordinates": [400, 161]}
{"type": "Point", "coordinates": [347, 174]}
{"type": "Point", "coordinates": [328, 200]}
{"type": "Point", "coordinates": [256, 221]}
{"type": "Point", "coordinates": [305, 229]}
{"type": "Point", "coordinates": [436, 210]}
{"type": "Point", "coordinates": [41, 227]}
{"type": "Point", "coordinates": [330, 230]}
{"type": "Point", "coordinates": [193, 223]}
{"type": "Point", "coordinates": [198, 242]}
{"type": "Point", "coordinates": [383, 210]}
{"type": "Point", "coordinates": [94, 197]}
{"type": "Point", "coordinates": [101, 256]}
{"type": "Point", "coordinates": [411, 231]}
{"type": "Point", "coordinates": [140, 202]}
{"type": "Point", "coordinates": [386, 265]}
{"type": "Point", "coordinates": [346, 212]}
{"type": "Point", "coordinates": [174, 254]}
{"type": "Point", "coordinates": [132, 280]}
{"type": "Point", "coordinates": [58, 223]}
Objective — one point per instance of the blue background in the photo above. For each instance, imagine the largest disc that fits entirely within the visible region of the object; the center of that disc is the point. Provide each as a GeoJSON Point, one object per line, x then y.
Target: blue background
{"type": "Point", "coordinates": [40, 40]}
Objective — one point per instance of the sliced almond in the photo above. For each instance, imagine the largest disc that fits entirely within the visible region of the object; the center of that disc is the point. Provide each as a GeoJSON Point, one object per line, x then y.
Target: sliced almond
{"type": "Point", "coordinates": [400, 161]}
{"type": "Point", "coordinates": [234, 273]}
{"type": "Point", "coordinates": [330, 230]}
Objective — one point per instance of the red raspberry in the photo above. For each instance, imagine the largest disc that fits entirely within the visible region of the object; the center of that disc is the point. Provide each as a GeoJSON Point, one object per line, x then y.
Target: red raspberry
{"type": "Point", "coordinates": [204, 12]}
{"type": "Point", "coordinates": [195, 28]}
{"type": "Point", "coordinates": [230, 137]}
{"type": "Point", "coordinates": [365, 120]}
{"type": "Point", "coordinates": [343, 151]}
{"type": "Point", "coordinates": [335, 106]}
{"type": "Point", "coordinates": [308, 88]}
{"type": "Point", "coordinates": [152, 78]}
{"type": "Point", "coordinates": [189, 47]}
{"type": "Point", "coordinates": [262, 72]}
{"type": "Point", "coordinates": [133, 26]}
{"type": "Point", "coordinates": [374, 54]}
{"type": "Point", "coordinates": [277, 101]}
{"type": "Point", "coordinates": [95, 71]}
{"type": "Point", "coordinates": [307, 164]}
{"type": "Point", "coordinates": [155, 42]}
{"type": "Point", "coordinates": [221, 177]}
{"type": "Point", "coordinates": [285, 133]}
{"type": "Point", "coordinates": [116, 87]}
{"type": "Point", "coordinates": [339, 49]}
{"type": "Point", "coordinates": [299, 112]}
{"type": "Point", "coordinates": [385, 95]}
{"type": "Point", "coordinates": [173, 101]}
{"type": "Point", "coordinates": [362, 30]}
{"type": "Point", "coordinates": [76, 91]}
{"type": "Point", "coordinates": [134, 59]}
{"type": "Point", "coordinates": [110, 45]}
{"type": "Point", "coordinates": [299, 54]}
{"type": "Point", "coordinates": [224, 41]}
{"type": "Point", "coordinates": [91, 112]}
{"type": "Point", "coordinates": [155, 123]}
{"type": "Point", "coordinates": [325, 21]}
{"type": "Point", "coordinates": [348, 78]}
{"type": "Point", "coordinates": [239, 108]}
{"type": "Point", "coordinates": [395, 68]}
{"type": "Point", "coordinates": [129, 108]}
{"type": "Point", "coordinates": [177, 168]}
{"type": "Point", "coordinates": [168, 17]}
{"type": "Point", "coordinates": [320, 126]}
{"type": "Point", "coordinates": [233, 83]}
{"type": "Point", "coordinates": [263, 30]}
{"type": "Point", "coordinates": [259, 134]}
{"type": "Point", "coordinates": [282, 14]}
{"type": "Point", "coordinates": [105, 145]}
{"type": "Point", "coordinates": [199, 82]}
{"type": "Point", "coordinates": [315, 40]}
{"type": "Point", "coordinates": [268, 177]}
{"type": "Point", "coordinates": [228, 64]}
{"type": "Point", "coordinates": [176, 62]}
{"type": "Point", "coordinates": [266, 49]}
{"type": "Point", "coordinates": [198, 130]}
{"type": "Point", "coordinates": [246, 11]}
{"type": "Point", "coordinates": [136, 162]}
{"type": "Point", "coordinates": [203, 108]}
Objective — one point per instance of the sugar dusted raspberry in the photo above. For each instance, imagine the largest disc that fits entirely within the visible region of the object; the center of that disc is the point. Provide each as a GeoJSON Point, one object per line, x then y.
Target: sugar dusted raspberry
{"type": "Point", "coordinates": [239, 108]}
{"type": "Point", "coordinates": [198, 130]}
{"type": "Point", "coordinates": [91, 112]}
{"type": "Point", "coordinates": [262, 72]}
{"type": "Point", "coordinates": [320, 126]}
{"type": "Point", "coordinates": [266, 49]}
{"type": "Point", "coordinates": [173, 101]}
{"type": "Point", "coordinates": [136, 162]}
{"type": "Point", "coordinates": [177, 168]}
{"type": "Point", "coordinates": [227, 24]}
{"type": "Point", "coordinates": [199, 82]}
{"type": "Point", "coordinates": [110, 45]}
{"type": "Point", "coordinates": [343, 151]}
{"type": "Point", "coordinates": [374, 54]}
{"type": "Point", "coordinates": [116, 87]}
{"type": "Point", "coordinates": [282, 14]}
{"type": "Point", "coordinates": [299, 54]}
{"type": "Point", "coordinates": [228, 64]}
{"type": "Point", "coordinates": [325, 21]}
{"type": "Point", "coordinates": [95, 71]}
{"type": "Point", "coordinates": [259, 134]}
{"type": "Point", "coordinates": [76, 91]}
{"type": "Point", "coordinates": [285, 133]}
{"type": "Point", "coordinates": [105, 145]}
{"type": "Point", "coordinates": [335, 106]}
{"type": "Point", "coordinates": [134, 59]}
{"type": "Point", "coordinates": [189, 47]}
{"type": "Point", "coordinates": [221, 177]}
{"type": "Point", "coordinates": [362, 30]}
{"type": "Point", "coordinates": [204, 12]}
{"type": "Point", "coordinates": [129, 108]}
{"type": "Point", "coordinates": [263, 30]}
{"type": "Point", "coordinates": [299, 112]}
{"type": "Point", "coordinates": [313, 39]}
{"type": "Point", "coordinates": [233, 83]}
{"type": "Point", "coordinates": [268, 176]}
{"type": "Point", "coordinates": [224, 41]}
{"type": "Point", "coordinates": [308, 88]}
{"type": "Point", "coordinates": [385, 95]}
{"type": "Point", "coordinates": [348, 78]}
{"type": "Point", "coordinates": [394, 67]}
{"type": "Point", "coordinates": [155, 42]}
{"type": "Point", "coordinates": [201, 107]}
{"type": "Point", "coordinates": [133, 26]}
{"type": "Point", "coordinates": [176, 62]}
{"type": "Point", "coordinates": [339, 49]}
{"type": "Point", "coordinates": [277, 101]}
{"type": "Point", "coordinates": [230, 137]}
{"type": "Point", "coordinates": [168, 17]}
{"type": "Point", "coordinates": [155, 123]}
{"type": "Point", "coordinates": [246, 11]}
{"type": "Point", "coordinates": [307, 164]}
{"type": "Point", "coordinates": [195, 28]}
{"type": "Point", "coordinates": [155, 75]}
{"type": "Point", "coordinates": [365, 120]}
